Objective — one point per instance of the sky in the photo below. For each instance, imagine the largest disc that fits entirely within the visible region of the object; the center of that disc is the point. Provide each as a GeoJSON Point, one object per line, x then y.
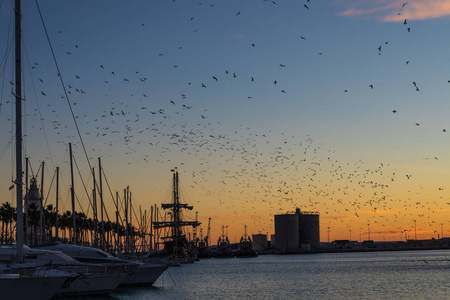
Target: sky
{"type": "Point", "coordinates": [338, 107]}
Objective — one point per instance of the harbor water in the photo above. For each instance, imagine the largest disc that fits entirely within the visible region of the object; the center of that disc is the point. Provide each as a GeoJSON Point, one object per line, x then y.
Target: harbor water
{"type": "Point", "coordinates": [362, 275]}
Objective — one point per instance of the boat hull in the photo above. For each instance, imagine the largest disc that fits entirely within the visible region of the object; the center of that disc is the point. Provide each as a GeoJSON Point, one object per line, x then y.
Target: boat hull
{"type": "Point", "coordinates": [92, 284]}
{"type": "Point", "coordinates": [145, 274]}
{"type": "Point", "coordinates": [36, 288]}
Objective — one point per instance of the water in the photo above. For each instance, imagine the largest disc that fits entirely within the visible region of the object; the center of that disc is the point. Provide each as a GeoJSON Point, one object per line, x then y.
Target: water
{"type": "Point", "coordinates": [374, 275]}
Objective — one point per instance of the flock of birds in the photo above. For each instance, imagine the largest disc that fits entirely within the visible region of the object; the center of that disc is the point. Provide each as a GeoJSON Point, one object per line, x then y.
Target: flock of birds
{"type": "Point", "coordinates": [252, 174]}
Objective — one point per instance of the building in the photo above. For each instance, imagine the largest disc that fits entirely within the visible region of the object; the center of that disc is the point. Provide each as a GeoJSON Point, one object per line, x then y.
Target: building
{"type": "Point", "coordinates": [32, 196]}
{"type": "Point", "coordinates": [298, 231]}
{"type": "Point", "coordinates": [259, 242]}
{"type": "Point", "coordinates": [33, 215]}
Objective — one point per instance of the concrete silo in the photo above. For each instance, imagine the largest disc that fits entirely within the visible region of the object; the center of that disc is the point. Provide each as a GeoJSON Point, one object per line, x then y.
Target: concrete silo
{"type": "Point", "coordinates": [297, 231]}
{"type": "Point", "coordinates": [259, 242]}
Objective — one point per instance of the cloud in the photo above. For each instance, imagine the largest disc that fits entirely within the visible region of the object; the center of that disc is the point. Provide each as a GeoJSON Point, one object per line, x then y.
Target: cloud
{"type": "Point", "coordinates": [339, 217]}
{"type": "Point", "coordinates": [239, 36]}
{"type": "Point", "coordinates": [396, 11]}
{"type": "Point", "coordinates": [380, 212]}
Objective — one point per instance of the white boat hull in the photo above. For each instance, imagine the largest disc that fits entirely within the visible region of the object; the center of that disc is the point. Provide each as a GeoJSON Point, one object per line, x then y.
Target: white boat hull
{"type": "Point", "coordinates": [93, 284]}
{"type": "Point", "coordinates": [36, 288]}
{"type": "Point", "coordinates": [144, 274]}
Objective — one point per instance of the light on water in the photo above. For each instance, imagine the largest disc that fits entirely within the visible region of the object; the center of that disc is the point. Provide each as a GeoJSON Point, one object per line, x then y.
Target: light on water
{"type": "Point", "coordinates": [374, 275]}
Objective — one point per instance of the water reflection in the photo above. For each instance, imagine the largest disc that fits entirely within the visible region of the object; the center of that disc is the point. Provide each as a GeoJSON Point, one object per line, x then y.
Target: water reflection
{"type": "Point", "coordinates": [375, 275]}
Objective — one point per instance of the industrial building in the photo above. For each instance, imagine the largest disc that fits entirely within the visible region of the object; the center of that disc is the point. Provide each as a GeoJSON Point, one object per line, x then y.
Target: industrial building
{"type": "Point", "coordinates": [260, 242]}
{"type": "Point", "coordinates": [297, 232]}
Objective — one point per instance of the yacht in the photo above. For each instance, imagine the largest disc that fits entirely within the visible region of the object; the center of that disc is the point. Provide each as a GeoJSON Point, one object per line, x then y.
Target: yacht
{"type": "Point", "coordinates": [86, 279]}
{"type": "Point", "coordinates": [139, 273]}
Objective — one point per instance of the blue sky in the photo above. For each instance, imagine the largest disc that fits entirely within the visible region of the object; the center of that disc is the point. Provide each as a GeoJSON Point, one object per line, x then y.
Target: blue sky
{"type": "Point", "coordinates": [163, 51]}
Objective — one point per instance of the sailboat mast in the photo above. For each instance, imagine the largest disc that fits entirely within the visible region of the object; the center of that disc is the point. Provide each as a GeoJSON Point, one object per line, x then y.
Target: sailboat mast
{"type": "Point", "coordinates": [26, 202]}
{"type": "Point", "coordinates": [41, 211]}
{"type": "Point", "coordinates": [176, 211]}
{"type": "Point", "coordinates": [72, 194]}
{"type": "Point", "coordinates": [94, 209]}
{"type": "Point", "coordinates": [18, 75]}
{"type": "Point", "coordinates": [57, 208]}
{"type": "Point", "coordinates": [101, 202]}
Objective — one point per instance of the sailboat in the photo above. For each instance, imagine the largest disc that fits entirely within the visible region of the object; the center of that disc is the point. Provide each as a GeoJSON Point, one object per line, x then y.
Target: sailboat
{"type": "Point", "coordinates": [41, 274]}
{"type": "Point", "coordinates": [175, 242]}
{"type": "Point", "coordinates": [14, 284]}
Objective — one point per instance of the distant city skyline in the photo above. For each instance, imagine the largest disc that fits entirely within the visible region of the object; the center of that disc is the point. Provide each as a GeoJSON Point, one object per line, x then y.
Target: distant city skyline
{"type": "Point", "coordinates": [339, 107]}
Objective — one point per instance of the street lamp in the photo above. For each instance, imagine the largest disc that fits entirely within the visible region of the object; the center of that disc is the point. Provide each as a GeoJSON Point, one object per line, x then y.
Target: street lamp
{"type": "Point", "coordinates": [328, 234]}
{"type": "Point", "coordinates": [415, 230]}
{"type": "Point", "coordinates": [406, 235]}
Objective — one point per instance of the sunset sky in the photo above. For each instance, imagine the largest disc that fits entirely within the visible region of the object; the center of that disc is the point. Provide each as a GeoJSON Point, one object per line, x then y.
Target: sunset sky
{"type": "Point", "coordinates": [340, 107]}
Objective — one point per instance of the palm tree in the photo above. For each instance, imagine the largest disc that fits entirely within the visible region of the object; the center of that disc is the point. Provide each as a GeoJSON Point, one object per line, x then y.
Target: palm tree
{"type": "Point", "coordinates": [8, 216]}
{"type": "Point", "coordinates": [3, 219]}
{"type": "Point", "coordinates": [33, 222]}
{"type": "Point", "coordinates": [49, 220]}
{"type": "Point", "coordinates": [65, 222]}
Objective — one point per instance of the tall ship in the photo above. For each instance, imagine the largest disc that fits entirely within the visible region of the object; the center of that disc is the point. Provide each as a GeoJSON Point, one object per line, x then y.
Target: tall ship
{"type": "Point", "coordinates": [175, 242]}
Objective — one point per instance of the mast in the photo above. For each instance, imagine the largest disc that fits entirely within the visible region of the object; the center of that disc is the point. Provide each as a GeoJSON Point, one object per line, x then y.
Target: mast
{"type": "Point", "coordinates": [176, 209]}
{"type": "Point", "coordinates": [57, 209]}
{"type": "Point", "coordinates": [151, 228]}
{"type": "Point", "coordinates": [127, 240]}
{"type": "Point", "coordinates": [176, 223]}
{"type": "Point", "coordinates": [117, 222]}
{"type": "Point", "coordinates": [101, 201]}
{"type": "Point", "coordinates": [26, 202]}
{"type": "Point", "coordinates": [94, 208]}
{"type": "Point", "coordinates": [41, 211]}
{"type": "Point", "coordinates": [208, 233]}
{"type": "Point", "coordinates": [72, 194]}
{"type": "Point", "coordinates": [18, 79]}
{"type": "Point", "coordinates": [131, 222]}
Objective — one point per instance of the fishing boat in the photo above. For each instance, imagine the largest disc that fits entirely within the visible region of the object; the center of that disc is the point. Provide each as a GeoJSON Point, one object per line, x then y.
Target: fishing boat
{"type": "Point", "coordinates": [202, 246]}
{"type": "Point", "coordinates": [175, 242]}
{"type": "Point", "coordinates": [246, 246]}
{"type": "Point", "coordinates": [223, 246]}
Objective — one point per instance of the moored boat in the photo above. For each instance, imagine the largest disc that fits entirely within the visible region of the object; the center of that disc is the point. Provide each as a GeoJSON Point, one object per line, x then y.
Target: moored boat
{"type": "Point", "coordinates": [138, 273]}
{"type": "Point", "coordinates": [15, 286]}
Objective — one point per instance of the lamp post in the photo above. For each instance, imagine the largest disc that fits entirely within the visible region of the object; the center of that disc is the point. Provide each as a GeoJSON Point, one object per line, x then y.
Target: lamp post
{"type": "Point", "coordinates": [406, 235]}
{"type": "Point", "coordinates": [368, 231]}
{"type": "Point", "coordinates": [415, 230]}
{"type": "Point", "coordinates": [328, 234]}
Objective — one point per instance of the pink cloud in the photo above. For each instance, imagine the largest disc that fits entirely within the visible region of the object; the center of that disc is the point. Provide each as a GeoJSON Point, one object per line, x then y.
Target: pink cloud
{"type": "Point", "coordinates": [239, 36]}
{"type": "Point", "coordinates": [422, 10]}
{"type": "Point", "coordinates": [397, 10]}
